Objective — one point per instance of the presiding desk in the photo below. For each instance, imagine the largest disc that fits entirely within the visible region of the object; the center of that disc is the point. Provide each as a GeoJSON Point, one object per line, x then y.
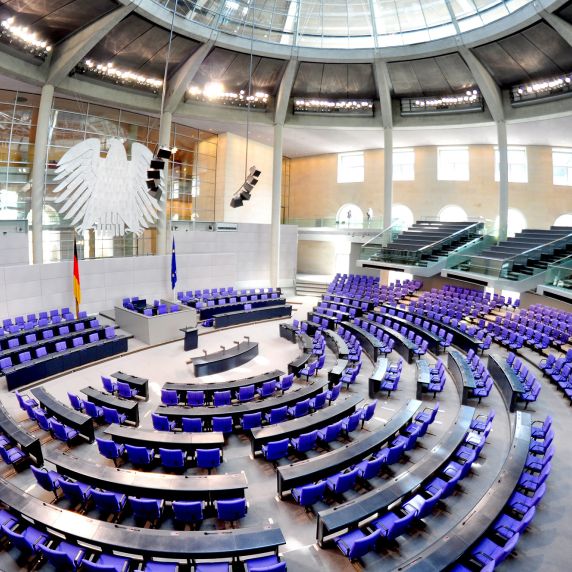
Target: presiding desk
{"type": "Point", "coordinates": [127, 406]}
{"type": "Point", "coordinates": [188, 442]}
{"type": "Point", "coordinates": [149, 485]}
{"type": "Point", "coordinates": [316, 468]}
{"type": "Point", "coordinates": [149, 543]}
{"type": "Point", "coordinates": [461, 373]}
{"type": "Point", "coordinates": [210, 388]}
{"type": "Point", "coordinates": [58, 362]}
{"type": "Point", "coordinates": [376, 501]}
{"type": "Point", "coordinates": [141, 384]}
{"type": "Point", "coordinates": [471, 526]}
{"type": "Point", "coordinates": [506, 380]}
{"type": "Point", "coordinates": [254, 315]}
{"type": "Point", "coordinates": [225, 359]}
{"type": "Point", "coordinates": [341, 408]}
{"type": "Point", "coordinates": [26, 442]}
{"type": "Point", "coordinates": [78, 421]}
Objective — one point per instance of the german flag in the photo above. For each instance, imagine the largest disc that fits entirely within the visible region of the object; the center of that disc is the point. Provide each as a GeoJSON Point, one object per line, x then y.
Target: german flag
{"type": "Point", "coordinates": [76, 284]}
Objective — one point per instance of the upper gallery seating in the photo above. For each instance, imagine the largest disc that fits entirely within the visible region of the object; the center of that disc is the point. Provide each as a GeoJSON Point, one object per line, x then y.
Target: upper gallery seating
{"type": "Point", "coordinates": [426, 241]}
{"type": "Point", "coordinates": [528, 252]}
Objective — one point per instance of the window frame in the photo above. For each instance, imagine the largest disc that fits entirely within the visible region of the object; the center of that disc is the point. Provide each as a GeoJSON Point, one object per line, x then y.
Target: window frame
{"type": "Point", "coordinates": [353, 174]}
{"type": "Point", "coordinates": [511, 165]}
{"type": "Point", "coordinates": [555, 181]}
{"type": "Point", "coordinates": [398, 174]}
{"type": "Point", "coordinates": [446, 172]}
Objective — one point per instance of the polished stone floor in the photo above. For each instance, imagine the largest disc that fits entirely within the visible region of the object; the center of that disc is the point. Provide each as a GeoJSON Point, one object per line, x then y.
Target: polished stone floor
{"type": "Point", "coordinates": [544, 547]}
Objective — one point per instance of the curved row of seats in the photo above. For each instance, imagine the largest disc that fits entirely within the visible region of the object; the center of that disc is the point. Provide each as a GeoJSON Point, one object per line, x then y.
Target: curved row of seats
{"type": "Point", "coordinates": [531, 385]}
{"type": "Point", "coordinates": [505, 531]}
{"type": "Point", "coordinates": [32, 322]}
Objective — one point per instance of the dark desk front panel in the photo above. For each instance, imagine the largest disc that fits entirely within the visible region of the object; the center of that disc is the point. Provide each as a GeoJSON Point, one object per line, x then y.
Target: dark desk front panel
{"type": "Point", "coordinates": [461, 373]}
{"type": "Point", "coordinates": [506, 380]}
{"type": "Point", "coordinates": [229, 358]}
{"type": "Point", "coordinates": [139, 383]}
{"type": "Point", "coordinates": [254, 315]}
{"type": "Point", "coordinates": [127, 406]}
{"type": "Point", "coordinates": [25, 441]}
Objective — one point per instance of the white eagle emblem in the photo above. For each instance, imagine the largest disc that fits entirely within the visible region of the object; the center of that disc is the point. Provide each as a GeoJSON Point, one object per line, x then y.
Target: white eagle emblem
{"type": "Point", "coordinates": [108, 193]}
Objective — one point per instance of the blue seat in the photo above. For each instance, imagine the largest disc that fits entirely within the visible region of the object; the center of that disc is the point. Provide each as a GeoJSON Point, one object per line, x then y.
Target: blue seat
{"type": "Point", "coordinates": [342, 482]}
{"type": "Point", "coordinates": [195, 398]}
{"type": "Point", "coordinates": [64, 556]}
{"type": "Point", "coordinates": [274, 450]}
{"type": "Point", "coordinates": [140, 456]}
{"type": "Point", "coordinates": [285, 383]}
{"type": "Point", "coordinates": [265, 564]}
{"type": "Point", "coordinates": [111, 415]}
{"type": "Point", "coordinates": [222, 424]}
{"type": "Point", "coordinates": [188, 512]}
{"type": "Point", "coordinates": [300, 409]}
{"type": "Point", "coordinates": [487, 550]}
{"type": "Point", "coordinates": [267, 389]}
{"type": "Point", "coordinates": [106, 563]}
{"type": "Point", "coordinates": [392, 524]}
{"type": "Point", "coordinates": [76, 492]}
{"type": "Point", "coordinates": [422, 505]}
{"type": "Point", "coordinates": [110, 449]}
{"type": "Point", "coordinates": [24, 401]}
{"type": "Point", "coordinates": [331, 432]}
{"type": "Point", "coordinates": [28, 541]}
{"type": "Point", "coordinates": [172, 458]}
{"type": "Point", "coordinates": [231, 510]}
{"type": "Point", "coordinates": [125, 390]}
{"type": "Point", "coordinates": [13, 456]}
{"type": "Point", "coordinates": [507, 526]}
{"type": "Point", "coordinates": [147, 510]}
{"type": "Point", "coordinates": [75, 401]}
{"type": "Point", "coordinates": [109, 502]}
{"type": "Point", "coordinates": [246, 393]}
{"type": "Point", "coordinates": [93, 410]}
{"type": "Point", "coordinates": [319, 401]}
{"type": "Point", "coordinates": [162, 423]}
{"type": "Point", "coordinates": [208, 458]}
{"type": "Point", "coordinates": [351, 422]}
{"type": "Point", "coordinates": [161, 567]}
{"type": "Point", "coordinates": [48, 480]}
{"type": "Point", "coordinates": [355, 543]}
{"type": "Point", "coordinates": [390, 455]}
{"type": "Point", "coordinates": [251, 420]}
{"type": "Point", "coordinates": [366, 413]}
{"type": "Point", "coordinates": [169, 397]}
{"type": "Point", "coordinates": [309, 494]}
{"type": "Point", "coordinates": [305, 442]}
{"type": "Point", "coordinates": [63, 432]}
{"type": "Point", "coordinates": [108, 384]}
{"type": "Point", "coordinates": [369, 468]}
{"type": "Point", "coordinates": [213, 567]}
{"type": "Point", "coordinates": [221, 398]}
{"type": "Point", "coordinates": [192, 425]}
{"type": "Point", "coordinates": [276, 415]}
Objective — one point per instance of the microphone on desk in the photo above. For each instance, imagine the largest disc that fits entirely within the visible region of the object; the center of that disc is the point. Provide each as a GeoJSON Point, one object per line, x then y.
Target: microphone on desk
{"type": "Point", "coordinates": [223, 348]}
{"type": "Point", "coordinates": [247, 338]}
{"type": "Point", "coordinates": [237, 343]}
{"type": "Point", "coordinates": [205, 352]}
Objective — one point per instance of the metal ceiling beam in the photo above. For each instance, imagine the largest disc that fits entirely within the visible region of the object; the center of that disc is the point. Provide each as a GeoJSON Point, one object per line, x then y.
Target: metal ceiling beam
{"type": "Point", "coordinates": [559, 24]}
{"type": "Point", "coordinates": [179, 83]}
{"type": "Point", "coordinates": [488, 86]}
{"type": "Point", "coordinates": [72, 50]}
{"type": "Point", "coordinates": [383, 84]}
{"type": "Point", "coordinates": [285, 91]}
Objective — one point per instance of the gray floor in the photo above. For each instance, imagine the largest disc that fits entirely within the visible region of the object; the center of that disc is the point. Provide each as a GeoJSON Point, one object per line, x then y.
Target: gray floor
{"type": "Point", "coordinates": [168, 363]}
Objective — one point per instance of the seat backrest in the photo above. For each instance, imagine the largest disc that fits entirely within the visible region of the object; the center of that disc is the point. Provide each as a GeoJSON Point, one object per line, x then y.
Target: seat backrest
{"type": "Point", "coordinates": [160, 422]}
{"type": "Point", "coordinates": [139, 455]}
{"type": "Point", "coordinates": [188, 511]}
{"type": "Point", "coordinates": [91, 409]}
{"type": "Point", "coordinates": [192, 425]}
{"type": "Point", "coordinates": [196, 398]}
{"type": "Point", "coordinates": [364, 545]}
{"type": "Point", "coordinates": [107, 447]}
{"type": "Point", "coordinates": [231, 509]}
{"type": "Point", "coordinates": [172, 457]}
{"type": "Point", "coordinates": [106, 501]}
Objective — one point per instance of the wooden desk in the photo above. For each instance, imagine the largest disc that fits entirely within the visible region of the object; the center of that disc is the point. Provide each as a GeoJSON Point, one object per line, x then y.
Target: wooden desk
{"type": "Point", "coordinates": [127, 406]}
{"type": "Point", "coordinates": [506, 380]}
{"type": "Point", "coordinates": [226, 359]}
{"type": "Point", "coordinates": [139, 383]}
{"type": "Point", "coordinates": [25, 441]}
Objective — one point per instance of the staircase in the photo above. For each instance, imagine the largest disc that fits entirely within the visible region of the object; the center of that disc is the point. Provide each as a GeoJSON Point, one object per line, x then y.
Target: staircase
{"type": "Point", "coordinates": [310, 285]}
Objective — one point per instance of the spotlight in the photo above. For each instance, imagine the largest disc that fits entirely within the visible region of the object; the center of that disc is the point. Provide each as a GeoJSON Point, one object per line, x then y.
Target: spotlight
{"type": "Point", "coordinates": [164, 153]}
{"type": "Point", "coordinates": [154, 174]}
{"type": "Point", "coordinates": [151, 185]}
{"type": "Point", "coordinates": [243, 194]}
{"type": "Point", "coordinates": [157, 164]}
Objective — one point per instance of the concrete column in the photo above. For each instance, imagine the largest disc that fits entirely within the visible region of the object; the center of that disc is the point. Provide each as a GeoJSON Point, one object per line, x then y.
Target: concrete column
{"type": "Point", "coordinates": [276, 205]}
{"type": "Point", "coordinates": [39, 170]}
{"type": "Point", "coordinates": [164, 141]}
{"type": "Point", "coordinates": [387, 176]}
{"type": "Point", "coordinates": [503, 179]}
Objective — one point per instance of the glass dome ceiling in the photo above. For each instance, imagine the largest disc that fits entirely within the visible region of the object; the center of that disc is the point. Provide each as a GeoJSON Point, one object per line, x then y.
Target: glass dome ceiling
{"type": "Point", "coordinates": [343, 24]}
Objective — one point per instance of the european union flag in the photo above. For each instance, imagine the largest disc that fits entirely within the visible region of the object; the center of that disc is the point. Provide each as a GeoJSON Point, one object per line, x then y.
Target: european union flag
{"type": "Point", "coordinates": [173, 266]}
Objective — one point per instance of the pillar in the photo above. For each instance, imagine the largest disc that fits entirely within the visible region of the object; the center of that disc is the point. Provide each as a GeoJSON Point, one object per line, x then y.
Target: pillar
{"type": "Point", "coordinates": [276, 206]}
{"type": "Point", "coordinates": [503, 179]}
{"type": "Point", "coordinates": [164, 141]}
{"type": "Point", "coordinates": [387, 176]}
{"type": "Point", "coordinates": [39, 170]}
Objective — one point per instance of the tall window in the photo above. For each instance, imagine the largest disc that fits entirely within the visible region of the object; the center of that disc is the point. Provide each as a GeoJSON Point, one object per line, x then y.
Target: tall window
{"type": "Point", "coordinates": [404, 165]}
{"type": "Point", "coordinates": [562, 166]}
{"type": "Point", "coordinates": [453, 163]}
{"type": "Point", "coordinates": [351, 167]}
{"type": "Point", "coordinates": [517, 165]}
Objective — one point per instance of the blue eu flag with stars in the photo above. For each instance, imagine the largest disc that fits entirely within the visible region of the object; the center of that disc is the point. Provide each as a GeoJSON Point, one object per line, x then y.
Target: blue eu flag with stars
{"type": "Point", "coordinates": [173, 266]}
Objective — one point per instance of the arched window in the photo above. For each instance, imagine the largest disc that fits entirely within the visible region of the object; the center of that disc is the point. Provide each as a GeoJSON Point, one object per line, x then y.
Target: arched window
{"type": "Point", "coordinates": [564, 220]}
{"type": "Point", "coordinates": [349, 215]}
{"type": "Point", "coordinates": [402, 214]}
{"type": "Point", "coordinates": [516, 222]}
{"type": "Point", "coordinates": [453, 213]}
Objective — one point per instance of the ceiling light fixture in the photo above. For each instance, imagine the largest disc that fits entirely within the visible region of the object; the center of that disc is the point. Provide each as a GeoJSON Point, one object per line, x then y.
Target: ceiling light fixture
{"type": "Point", "coordinates": [470, 101]}
{"type": "Point", "coordinates": [24, 38]}
{"type": "Point", "coordinates": [117, 75]}
{"type": "Point", "coordinates": [553, 88]}
{"type": "Point", "coordinates": [333, 106]}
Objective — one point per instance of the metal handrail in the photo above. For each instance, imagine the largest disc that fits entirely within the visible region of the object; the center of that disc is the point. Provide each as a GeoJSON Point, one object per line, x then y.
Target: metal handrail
{"type": "Point", "coordinates": [507, 261]}
{"type": "Point", "coordinates": [382, 232]}
{"type": "Point", "coordinates": [559, 263]}
{"type": "Point", "coordinates": [465, 229]}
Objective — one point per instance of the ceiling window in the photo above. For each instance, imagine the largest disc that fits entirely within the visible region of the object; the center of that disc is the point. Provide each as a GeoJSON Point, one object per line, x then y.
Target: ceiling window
{"type": "Point", "coordinates": [404, 165]}
{"type": "Point", "coordinates": [351, 167]}
{"type": "Point", "coordinates": [562, 167]}
{"type": "Point", "coordinates": [517, 165]}
{"type": "Point", "coordinates": [453, 163]}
